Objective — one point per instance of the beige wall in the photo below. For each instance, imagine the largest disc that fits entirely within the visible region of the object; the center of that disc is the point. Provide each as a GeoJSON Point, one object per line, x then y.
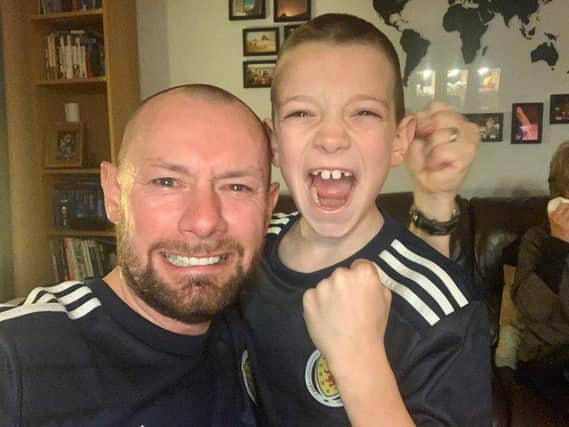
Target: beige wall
{"type": "Point", "coordinates": [194, 41]}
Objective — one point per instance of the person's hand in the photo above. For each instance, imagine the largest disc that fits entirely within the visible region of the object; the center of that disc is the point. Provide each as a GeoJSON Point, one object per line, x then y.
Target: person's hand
{"type": "Point", "coordinates": [441, 154]}
{"type": "Point", "coordinates": [347, 313]}
{"type": "Point", "coordinates": [559, 222]}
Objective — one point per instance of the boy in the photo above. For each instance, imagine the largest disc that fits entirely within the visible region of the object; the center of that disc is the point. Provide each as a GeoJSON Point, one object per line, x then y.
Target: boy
{"type": "Point", "coordinates": [418, 354]}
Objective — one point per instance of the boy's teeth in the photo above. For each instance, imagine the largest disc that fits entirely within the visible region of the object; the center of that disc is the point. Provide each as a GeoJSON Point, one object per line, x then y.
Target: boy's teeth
{"type": "Point", "coordinates": [182, 261]}
{"type": "Point", "coordinates": [326, 174]}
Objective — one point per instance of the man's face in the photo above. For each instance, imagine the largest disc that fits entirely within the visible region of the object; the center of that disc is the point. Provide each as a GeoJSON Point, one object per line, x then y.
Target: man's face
{"type": "Point", "coordinates": [194, 205]}
{"type": "Point", "coordinates": [335, 133]}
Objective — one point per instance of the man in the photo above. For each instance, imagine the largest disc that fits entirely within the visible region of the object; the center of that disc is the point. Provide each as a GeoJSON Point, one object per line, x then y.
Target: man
{"type": "Point", "coordinates": [153, 342]}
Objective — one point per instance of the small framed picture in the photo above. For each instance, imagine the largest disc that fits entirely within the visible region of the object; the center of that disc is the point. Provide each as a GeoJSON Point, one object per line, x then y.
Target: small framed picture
{"type": "Point", "coordinates": [491, 125]}
{"type": "Point", "coordinates": [246, 9]}
{"type": "Point", "coordinates": [64, 145]}
{"type": "Point", "coordinates": [559, 109]}
{"type": "Point", "coordinates": [288, 29]}
{"type": "Point", "coordinates": [291, 10]}
{"type": "Point", "coordinates": [258, 73]}
{"type": "Point", "coordinates": [527, 123]}
{"type": "Point", "coordinates": [260, 41]}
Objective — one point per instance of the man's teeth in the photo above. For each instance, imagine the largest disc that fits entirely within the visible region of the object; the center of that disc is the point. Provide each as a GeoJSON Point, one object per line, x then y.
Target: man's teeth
{"type": "Point", "coordinates": [326, 174]}
{"type": "Point", "coordinates": [182, 261]}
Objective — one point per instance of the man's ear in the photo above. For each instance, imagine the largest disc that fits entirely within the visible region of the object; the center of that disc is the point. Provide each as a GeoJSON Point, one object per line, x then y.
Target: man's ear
{"type": "Point", "coordinates": [272, 199]}
{"type": "Point", "coordinates": [111, 191]}
{"type": "Point", "coordinates": [405, 134]}
{"type": "Point", "coordinates": [274, 151]}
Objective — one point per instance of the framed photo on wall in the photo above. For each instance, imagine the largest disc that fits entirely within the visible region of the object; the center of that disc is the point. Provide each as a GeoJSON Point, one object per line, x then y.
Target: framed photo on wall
{"type": "Point", "coordinates": [258, 73]}
{"type": "Point", "coordinates": [527, 123]}
{"type": "Point", "coordinates": [491, 125]}
{"type": "Point", "coordinates": [260, 41]}
{"type": "Point", "coordinates": [246, 9]}
{"type": "Point", "coordinates": [64, 145]}
{"type": "Point", "coordinates": [559, 109]}
{"type": "Point", "coordinates": [291, 10]}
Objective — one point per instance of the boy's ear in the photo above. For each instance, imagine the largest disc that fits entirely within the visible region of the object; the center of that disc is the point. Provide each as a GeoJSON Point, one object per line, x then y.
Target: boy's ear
{"type": "Point", "coordinates": [405, 134]}
{"type": "Point", "coordinates": [274, 152]}
{"type": "Point", "coordinates": [111, 191]}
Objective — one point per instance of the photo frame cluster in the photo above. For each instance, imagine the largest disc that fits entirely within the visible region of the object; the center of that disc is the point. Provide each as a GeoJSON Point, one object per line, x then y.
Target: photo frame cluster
{"type": "Point", "coordinates": [266, 41]}
{"type": "Point", "coordinates": [527, 120]}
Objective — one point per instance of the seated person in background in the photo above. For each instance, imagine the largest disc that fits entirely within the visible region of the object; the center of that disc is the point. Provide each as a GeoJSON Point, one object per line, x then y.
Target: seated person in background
{"type": "Point", "coordinates": [332, 346]}
{"type": "Point", "coordinates": [541, 292]}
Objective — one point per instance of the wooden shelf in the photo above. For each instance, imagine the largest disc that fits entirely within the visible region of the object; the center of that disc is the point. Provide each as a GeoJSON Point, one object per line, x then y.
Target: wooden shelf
{"type": "Point", "coordinates": [95, 81]}
{"type": "Point", "coordinates": [79, 17]}
{"type": "Point", "coordinates": [74, 171]}
{"type": "Point", "coordinates": [34, 104]}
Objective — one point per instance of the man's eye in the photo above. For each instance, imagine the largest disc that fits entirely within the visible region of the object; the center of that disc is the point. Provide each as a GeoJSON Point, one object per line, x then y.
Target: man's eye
{"type": "Point", "coordinates": [164, 182]}
{"type": "Point", "coordinates": [239, 187]}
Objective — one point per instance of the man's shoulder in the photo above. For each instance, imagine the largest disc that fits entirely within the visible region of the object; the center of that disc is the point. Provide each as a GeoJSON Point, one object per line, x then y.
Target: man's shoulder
{"type": "Point", "coordinates": [65, 301]}
{"type": "Point", "coordinates": [280, 222]}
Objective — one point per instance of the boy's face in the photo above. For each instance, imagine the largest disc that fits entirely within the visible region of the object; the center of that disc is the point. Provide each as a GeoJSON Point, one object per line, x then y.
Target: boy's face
{"type": "Point", "coordinates": [335, 133]}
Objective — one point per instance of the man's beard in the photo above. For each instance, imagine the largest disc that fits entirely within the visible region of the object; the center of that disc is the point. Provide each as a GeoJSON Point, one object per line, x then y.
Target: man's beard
{"type": "Point", "coordinates": [192, 298]}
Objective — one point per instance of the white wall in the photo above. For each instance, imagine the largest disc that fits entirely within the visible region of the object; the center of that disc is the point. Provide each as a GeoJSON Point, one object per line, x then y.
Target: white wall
{"type": "Point", "coordinates": [182, 41]}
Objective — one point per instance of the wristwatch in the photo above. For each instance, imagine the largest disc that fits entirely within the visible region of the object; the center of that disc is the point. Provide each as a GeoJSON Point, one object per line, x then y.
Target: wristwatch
{"type": "Point", "coordinates": [431, 226]}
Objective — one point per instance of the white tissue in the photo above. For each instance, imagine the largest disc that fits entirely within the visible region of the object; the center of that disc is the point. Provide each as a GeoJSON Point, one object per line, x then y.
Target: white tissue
{"type": "Point", "coordinates": [555, 203]}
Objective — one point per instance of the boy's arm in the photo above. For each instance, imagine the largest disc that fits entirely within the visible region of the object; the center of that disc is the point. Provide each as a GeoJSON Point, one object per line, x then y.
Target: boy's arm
{"type": "Point", "coordinates": [353, 343]}
{"type": "Point", "coordinates": [438, 160]}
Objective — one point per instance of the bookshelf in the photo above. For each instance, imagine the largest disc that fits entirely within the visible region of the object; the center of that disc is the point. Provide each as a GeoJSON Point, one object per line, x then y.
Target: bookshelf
{"type": "Point", "coordinates": [35, 103]}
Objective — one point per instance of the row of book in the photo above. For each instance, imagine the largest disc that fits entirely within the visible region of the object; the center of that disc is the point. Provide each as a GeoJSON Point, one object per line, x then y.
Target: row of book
{"type": "Point", "coordinates": [73, 54]}
{"type": "Point", "coordinates": [79, 204]}
{"type": "Point", "coordinates": [58, 6]}
{"type": "Point", "coordinates": [76, 259]}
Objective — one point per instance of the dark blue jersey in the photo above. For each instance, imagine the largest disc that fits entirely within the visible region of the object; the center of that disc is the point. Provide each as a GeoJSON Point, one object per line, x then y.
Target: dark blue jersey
{"type": "Point", "coordinates": [74, 354]}
{"type": "Point", "coordinates": [437, 337]}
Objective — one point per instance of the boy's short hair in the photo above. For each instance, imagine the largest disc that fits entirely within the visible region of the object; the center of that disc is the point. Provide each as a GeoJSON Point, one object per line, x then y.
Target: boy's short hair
{"type": "Point", "coordinates": [339, 28]}
{"type": "Point", "coordinates": [559, 171]}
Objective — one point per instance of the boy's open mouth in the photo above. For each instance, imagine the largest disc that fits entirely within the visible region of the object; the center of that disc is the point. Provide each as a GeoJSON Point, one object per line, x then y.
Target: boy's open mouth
{"type": "Point", "coordinates": [331, 188]}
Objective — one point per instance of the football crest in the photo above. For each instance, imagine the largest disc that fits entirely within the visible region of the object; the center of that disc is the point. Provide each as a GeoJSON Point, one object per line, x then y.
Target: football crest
{"type": "Point", "coordinates": [320, 381]}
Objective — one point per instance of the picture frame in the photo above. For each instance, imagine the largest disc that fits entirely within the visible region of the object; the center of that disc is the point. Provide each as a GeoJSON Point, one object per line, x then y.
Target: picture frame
{"type": "Point", "coordinates": [491, 125]}
{"type": "Point", "coordinates": [64, 145]}
{"type": "Point", "coordinates": [258, 73]}
{"type": "Point", "coordinates": [260, 41]}
{"type": "Point", "coordinates": [559, 108]}
{"type": "Point", "coordinates": [288, 29]}
{"type": "Point", "coordinates": [246, 9]}
{"type": "Point", "coordinates": [527, 123]}
{"type": "Point", "coordinates": [291, 10]}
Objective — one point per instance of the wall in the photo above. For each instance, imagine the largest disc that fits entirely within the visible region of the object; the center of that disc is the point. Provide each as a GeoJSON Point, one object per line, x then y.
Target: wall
{"type": "Point", "coordinates": [194, 41]}
{"type": "Point", "coordinates": [6, 290]}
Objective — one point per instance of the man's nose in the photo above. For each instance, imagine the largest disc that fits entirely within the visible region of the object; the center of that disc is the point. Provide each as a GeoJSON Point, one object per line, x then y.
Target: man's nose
{"type": "Point", "coordinates": [331, 135]}
{"type": "Point", "coordinates": [203, 214]}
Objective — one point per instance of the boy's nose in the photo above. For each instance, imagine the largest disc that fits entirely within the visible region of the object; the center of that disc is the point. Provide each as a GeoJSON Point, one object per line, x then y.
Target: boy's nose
{"type": "Point", "coordinates": [203, 214]}
{"type": "Point", "coordinates": [331, 136]}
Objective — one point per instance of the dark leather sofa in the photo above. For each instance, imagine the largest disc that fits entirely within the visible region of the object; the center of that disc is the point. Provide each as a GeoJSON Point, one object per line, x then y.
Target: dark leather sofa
{"type": "Point", "coordinates": [487, 237]}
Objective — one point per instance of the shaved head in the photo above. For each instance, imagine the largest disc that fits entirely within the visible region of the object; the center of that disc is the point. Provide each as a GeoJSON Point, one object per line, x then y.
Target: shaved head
{"type": "Point", "coordinates": [209, 93]}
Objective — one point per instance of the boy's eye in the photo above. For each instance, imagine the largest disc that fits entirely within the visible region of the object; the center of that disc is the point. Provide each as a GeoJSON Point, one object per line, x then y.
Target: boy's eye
{"type": "Point", "coordinates": [164, 182]}
{"type": "Point", "coordinates": [368, 113]}
{"type": "Point", "coordinates": [299, 113]}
